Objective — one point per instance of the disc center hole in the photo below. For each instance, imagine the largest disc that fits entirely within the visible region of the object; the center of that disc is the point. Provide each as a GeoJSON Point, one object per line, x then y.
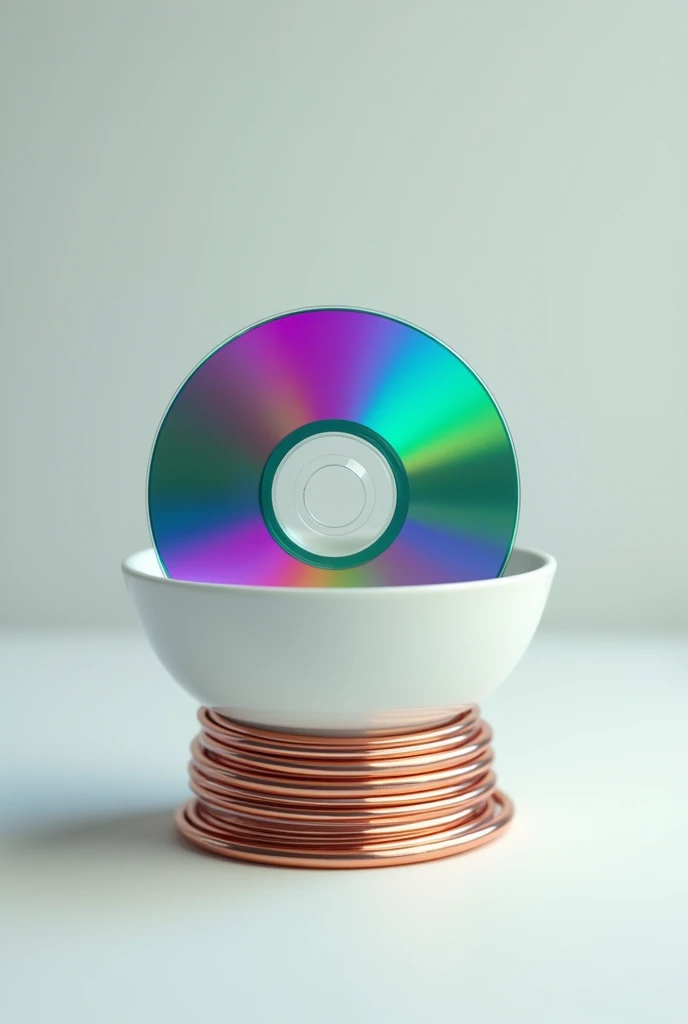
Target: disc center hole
{"type": "Point", "coordinates": [334, 496]}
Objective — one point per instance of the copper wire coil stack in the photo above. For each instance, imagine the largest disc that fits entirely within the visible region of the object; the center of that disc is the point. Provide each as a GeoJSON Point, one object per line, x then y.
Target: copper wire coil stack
{"type": "Point", "coordinates": [373, 800]}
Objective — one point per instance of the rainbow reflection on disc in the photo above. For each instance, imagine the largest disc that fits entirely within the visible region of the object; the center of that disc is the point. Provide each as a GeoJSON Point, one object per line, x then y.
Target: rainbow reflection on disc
{"type": "Point", "coordinates": [333, 447]}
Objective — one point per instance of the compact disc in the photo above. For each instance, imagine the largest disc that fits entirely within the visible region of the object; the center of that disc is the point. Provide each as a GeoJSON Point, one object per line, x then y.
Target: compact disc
{"type": "Point", "coordinates": [333, 447]}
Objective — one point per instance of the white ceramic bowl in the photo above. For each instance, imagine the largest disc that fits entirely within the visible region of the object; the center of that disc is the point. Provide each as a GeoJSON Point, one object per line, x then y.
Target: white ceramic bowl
{"type": "Point", "coordinates": [341, 659]}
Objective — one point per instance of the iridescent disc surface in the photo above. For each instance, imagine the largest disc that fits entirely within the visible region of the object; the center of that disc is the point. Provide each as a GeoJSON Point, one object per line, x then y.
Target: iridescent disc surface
{"type": "Point", "coordinates": [333, 448]}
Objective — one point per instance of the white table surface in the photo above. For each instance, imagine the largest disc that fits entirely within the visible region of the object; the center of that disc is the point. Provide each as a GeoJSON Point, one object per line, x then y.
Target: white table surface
{"type": "Point", "coordinates": [577, 915]}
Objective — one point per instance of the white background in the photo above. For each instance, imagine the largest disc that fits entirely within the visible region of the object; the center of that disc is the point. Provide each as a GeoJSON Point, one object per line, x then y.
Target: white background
{"type": "Point", "coordinates": [508, 175]}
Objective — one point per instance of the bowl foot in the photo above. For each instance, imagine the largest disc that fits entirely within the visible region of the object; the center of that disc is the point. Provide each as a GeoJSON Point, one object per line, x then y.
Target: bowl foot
{"type": "Point", "coordinates": [382, 799]}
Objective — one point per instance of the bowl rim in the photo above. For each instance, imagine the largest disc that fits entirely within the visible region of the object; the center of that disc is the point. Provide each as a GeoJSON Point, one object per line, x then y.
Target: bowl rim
{"type": "Point", "coordinates": [546, 567]}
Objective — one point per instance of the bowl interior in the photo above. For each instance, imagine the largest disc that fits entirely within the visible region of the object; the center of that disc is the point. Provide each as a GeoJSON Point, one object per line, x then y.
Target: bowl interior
{"type": "Point", "coordinates": [522, 561]}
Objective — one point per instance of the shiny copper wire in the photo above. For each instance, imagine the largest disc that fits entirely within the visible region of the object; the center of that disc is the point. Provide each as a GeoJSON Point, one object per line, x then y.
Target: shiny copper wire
{"type": "Point", "coordinates": [372, 800]}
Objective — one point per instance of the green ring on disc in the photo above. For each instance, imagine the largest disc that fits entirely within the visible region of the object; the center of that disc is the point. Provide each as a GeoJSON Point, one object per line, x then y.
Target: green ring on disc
{"type": "Point", "coordinates": [395, 464]}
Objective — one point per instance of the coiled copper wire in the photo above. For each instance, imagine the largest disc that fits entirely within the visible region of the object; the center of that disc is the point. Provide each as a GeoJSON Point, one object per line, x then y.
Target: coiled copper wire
{"type": "Point", "coordinates": [372, 800]}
